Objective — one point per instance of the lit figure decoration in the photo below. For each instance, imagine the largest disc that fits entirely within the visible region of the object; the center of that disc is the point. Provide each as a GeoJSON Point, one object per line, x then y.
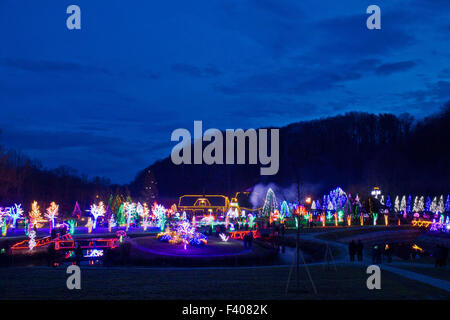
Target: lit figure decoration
{"type": "Point", "coordinates": [375, 217]}
{"type": "Point", "coordinates": [251, 220]}
{"type": "Point", "coordinates": [15, 213]}
{"type": "Point", "coordinates": [97, 211]}
{"type": "Point", "coordinates": [52, 213]}
{"type": "Point", "coordinates": [89, 225]}
{"type": "Point", "coordinates": [224, 237]}
{"type": "Point", "coordinates": [72, 223]}
{"type": "Point", "coordinates": [32, 242]}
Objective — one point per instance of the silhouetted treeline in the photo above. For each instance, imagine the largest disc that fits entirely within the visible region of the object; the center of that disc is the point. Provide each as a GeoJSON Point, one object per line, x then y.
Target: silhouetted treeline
{"type": "Point", "coordinates": [23, 180]}
{"type": "Point", "coordinates": [355, 151]}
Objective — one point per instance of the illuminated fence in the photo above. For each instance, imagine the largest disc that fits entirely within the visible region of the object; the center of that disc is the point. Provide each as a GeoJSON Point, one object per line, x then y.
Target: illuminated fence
{"type": "Point", "coordinates": [86, 244]}
{"type": "Point", "coordinates": [239, 235]}
{"type": "Point", "coordinates": [66, 242]}
{"type": "Point", "coordinates": [24, 244]}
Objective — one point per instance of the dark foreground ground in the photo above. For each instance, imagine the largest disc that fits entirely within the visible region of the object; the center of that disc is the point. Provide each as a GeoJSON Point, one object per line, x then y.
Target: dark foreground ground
{"type": "Point", "coordinates": [239, 283]}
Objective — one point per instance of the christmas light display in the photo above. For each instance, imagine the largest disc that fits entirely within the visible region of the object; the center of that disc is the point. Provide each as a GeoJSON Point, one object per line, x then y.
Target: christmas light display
{"type": "Point", "coordinates": [182, 233]}
{"type": "Point", "coordinates": [72, 223]}
{"type": "Point", "coordinates": [97, 211]}
{"type": "Point", "coordinates": [270, 203]}
{"type": "Point", "coordinates": [32, 242]}
{"type": "Point", "coordinates": [130, 209]}
{"type": "Point", "coordinates": [3, 222]}
{"type": "Point", "coordinates": [15, 212]}
{"type": "Point", "coordinates": [76, 213]}
{"type": "Point", "coordinates": [52, 213]}
{"type": "Point", "coordinates": [224, 237]}
{"type": "Point", "coordinates": [160, 213]}
{"type": "Point", "coordinates": [35, 214]}
{"type": "Point", "coordinates": [89, 225]}
{"type": "Point", "coordinates": [111, 223]}
{"type": "Point", "coordinates": [284, 209]}
{"type": "Point", "coordinates": [397, 204]}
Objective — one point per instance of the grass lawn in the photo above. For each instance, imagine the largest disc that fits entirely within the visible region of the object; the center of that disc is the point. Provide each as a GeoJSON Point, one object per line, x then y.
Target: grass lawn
{"type": "Point", "coordinates": [438, 273]}
{"type": "Point", "coordinates": [260, 283]}
{"type": "Point", "coordinates": [336, 235]}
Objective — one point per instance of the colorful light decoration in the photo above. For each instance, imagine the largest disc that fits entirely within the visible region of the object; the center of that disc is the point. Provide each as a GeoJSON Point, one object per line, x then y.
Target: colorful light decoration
{"type": "Point", "coordinates": [72, 223]}
{"type": "Point", "coordinates": [97, 211]}
{"type": "Point", "coordinates": [130, 209]}
{"type": "Point", "coordinates": [94, 253]}
{"type": "Point", "coordinates": [160, 213]}
{"type": "Point", "coordinates": [15, 212]}
{"type": "Point", "coordinates": [32, 242]}
{"type": "Point", "coordinates": [3, 222]}
{"type": "Point", "coordinates": [182, 233]}
{"type": "Point", "coordinates": [52, 213]}
{"type": "Point", "coordinates": [111, 223]}
{"type": "Point", "coordinates": [89, 225]}
{"type": "Point", "coordinates": [224, 237]}
{"type": "Point", "coordinates": [35, 214]}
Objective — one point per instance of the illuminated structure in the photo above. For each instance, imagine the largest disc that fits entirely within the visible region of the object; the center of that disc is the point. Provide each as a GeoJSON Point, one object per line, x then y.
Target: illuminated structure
{"type": "Point", "coordinates": [203, 204]}
{"type": "Point", "coordinates": [376, 192]}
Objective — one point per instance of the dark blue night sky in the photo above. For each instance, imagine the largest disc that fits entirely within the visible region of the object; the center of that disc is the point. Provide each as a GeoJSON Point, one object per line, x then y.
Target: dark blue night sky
{"type": "Point", "coordinates": [105, 99]}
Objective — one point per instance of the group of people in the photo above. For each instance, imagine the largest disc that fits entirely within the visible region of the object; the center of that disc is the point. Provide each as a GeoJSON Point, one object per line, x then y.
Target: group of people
{"type": "Point", "coordinates": [355, 249]}
{"type": "Point", "coordinates": [440, 255]}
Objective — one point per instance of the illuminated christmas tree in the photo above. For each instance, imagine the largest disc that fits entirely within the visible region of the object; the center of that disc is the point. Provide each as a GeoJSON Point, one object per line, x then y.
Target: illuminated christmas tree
{"type": "Point", "coordinates": [397, 204]}
{"type": "Point", "coordinates": [35, 214]}
{"type": "Point", "coordinates": [440, 206]}
{"type": "Point", "coordinates": [403, 205]}
{"type": "Point", "coordinates": [52, 213]}
{"type": "Point", "coordinates": [420, 205]}
{"type": "Point", "coordinates": [270, 203]}
{"type": "Point", "coordinates": [284, 210]}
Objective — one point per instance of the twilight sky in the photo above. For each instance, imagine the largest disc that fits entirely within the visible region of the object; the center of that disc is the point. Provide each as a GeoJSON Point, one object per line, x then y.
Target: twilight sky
{"type": "Point", "coordinates": [105, 99]}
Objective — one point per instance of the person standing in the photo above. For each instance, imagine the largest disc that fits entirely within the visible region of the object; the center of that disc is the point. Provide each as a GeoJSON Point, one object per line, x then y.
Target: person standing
{"type": "Point", "coordinates": [352, 250]}
{"type": "Point", "coordinates": [359, 250]}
